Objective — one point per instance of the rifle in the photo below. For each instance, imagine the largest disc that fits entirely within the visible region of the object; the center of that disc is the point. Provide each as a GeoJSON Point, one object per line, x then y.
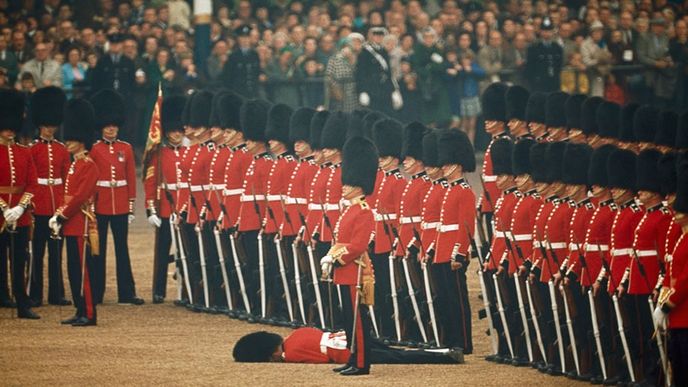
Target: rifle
{"type": "Point", "coordinates": [280, 262]}
{"type": "Point", "coordinates": [314, 276]}
{"type": "Point", "coordinates": [297, 274]}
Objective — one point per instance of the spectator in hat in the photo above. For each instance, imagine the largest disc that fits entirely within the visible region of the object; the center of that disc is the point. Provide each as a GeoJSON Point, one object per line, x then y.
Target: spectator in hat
{"type": "Point", "coordinates": [73, 72]}
{"type": "Point", "coordinates": [429, 64]}
{"type": "Point", "coordinates": [544, 60]}
{"type": "Point", "coordinates": [45, 70]}
{"type": "Point", "coordinates": [597, 58]}
{"type": "Point", "coordinates": [282, 73]}
{"type": "Point", "coordinates": [340, 87]}
{"type": "Point", "coordinates": [653, 53]}
{"type": "Point", "coordinates": [114, 70]}
{"type": "Point", "coordinates": [242, 72]}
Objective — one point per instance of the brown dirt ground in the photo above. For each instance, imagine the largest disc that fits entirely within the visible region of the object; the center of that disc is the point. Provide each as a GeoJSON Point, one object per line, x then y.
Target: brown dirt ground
{"type": "Point", "coordinates": [167, 345]}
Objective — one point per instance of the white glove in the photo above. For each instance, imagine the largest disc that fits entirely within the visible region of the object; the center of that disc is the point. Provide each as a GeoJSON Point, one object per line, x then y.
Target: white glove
{"type": "Point", "coordinates": [13, 214]}
{"type": "Point", "coordinates": [154, 220]}
{"type": "Point", "coordinates": [660, 318]}
{"type": "Point", "coordinates": [437, 58]}
{"type": "Point", "coordinates": [130, 218]}
{"type": "Point", "coordinates": [54, 225]}
{"type": "Point", "coordinates": [397, 100]}
{"type": "Point", "coordinates": [364, 99]}
{"type": "Point", "coordinates": [326, 263]}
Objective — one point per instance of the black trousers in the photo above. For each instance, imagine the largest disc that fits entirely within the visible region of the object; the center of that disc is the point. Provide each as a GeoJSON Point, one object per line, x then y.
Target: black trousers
{"type": "Point", "coordinates": [453, 311]}
{"type": "Point", "coordinates": [274, 287]}
{"type": "Point", "coordinates": [161, 257]}
{"type": "Point", "coordinates": [249, 242]}
{"type": "Point", "coordinates": [410, 328]}
{"type": "Point", "coordinates": [80, 261]}
{"type": "Point", "coordinates": [360, 358]}
{"type": "Point", "coordinates": [191, 239]}
{"type": "Point", "coordinates": [212, 266]}
{"type": "Point", "coordinates": [329, 292]}
{"type": "Point", "coordinates": [15, 246]}
{"type": "Point", "coordinates": [384, 311]}
{"type": "Point", "coordinates": [126, 288]}
{"type": "Point", "coordinates": [232, 273]}
{"type": "Point", "coordinates": [643, 348]}
{"type": "Point", "coordinates": [41, 240]}
{"type": "Point", "coordinates": [678, 355]}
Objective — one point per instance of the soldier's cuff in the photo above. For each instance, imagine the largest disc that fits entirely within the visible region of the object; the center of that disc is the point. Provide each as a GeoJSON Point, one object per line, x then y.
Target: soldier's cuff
{"type": "Point", "coordinates": [602, 275]}
{"type": "Point", "coordinates": [150, 206]}
{"type": "Point", "coordinates": [3, 205]}
{"type": "Point", "coordinates": [131, 206]}
{"type": "Point", "coordinates": [59, 215]}
{"type": "Point", "coordinates": [564, 265]}
{"type": "Point", "coordinates": [25, 200]}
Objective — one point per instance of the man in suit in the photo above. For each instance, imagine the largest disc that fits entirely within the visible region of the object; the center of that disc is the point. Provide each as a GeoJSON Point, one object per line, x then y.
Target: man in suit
{"type": "Point", "coordinates": [20, 47]}
{"type": "Point", "coordinates": [544, 60]}
{"type": "Point", "coordinates": [8, 61]}
{"type": "Point", "coordinates": [45, 70]}
{"type": "Point", "coordinates": [653, 53]}
{"type": "Point", "coordinates": [241, 73]}
{"type": "Point", "coordinates": [114, 70]}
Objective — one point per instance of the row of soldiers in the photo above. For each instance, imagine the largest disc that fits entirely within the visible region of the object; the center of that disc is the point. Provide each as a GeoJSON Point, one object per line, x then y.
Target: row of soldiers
{"type": "Point", "coordinates": [583, 275]}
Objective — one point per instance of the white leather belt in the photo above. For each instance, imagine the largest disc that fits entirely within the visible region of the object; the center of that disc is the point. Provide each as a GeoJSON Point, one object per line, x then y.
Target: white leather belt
{"type": "Point", "coordinates": [196, 188]}
{"type": "Point", "coordinates": [111, 183]}
{"type": "Point", "coordinates": [521, 237]}
{"type": "Point", "coordinates": [232, 192]}
{"type": "Point", "coordinates": [574, 246]}
{"type": "Point", "coordinates": [169, 187]}
{"type": "Point", "coordinates": [489, 178]}
{"type": "Point", "coordinates": [315, 207]}
{"type": "Point", "coordinates": [448, 227]}
{"type": "Point", "coordinates": [430, 226]}
{"type": "Point", "coordinates": [330, 207]}
{"type": "Point", "coordinates": [43, 181]}
{"type": "Point", "coordinates": [646, 253]}
{"type": "Point", "coordinates": [274, 198]}
{"type": "Point", "coordinates": [556, 245]}
{"type": "Point", "coordinates": [217, 187]}
{"type": "Point", "coordinates": [250, 198]}
{"type": "Point", "coordinates": [499, 234]}
{"type": "Point", "coordinates": [345, 202]}
{"type": "Point", "coordinates": [618, 252]}
{"type": "Point", "coordinates": [409, 219]}
{"type": "Point", "coordinates": [537, 244]}
{"type": "Point", "coordinates": [381, 217]}
{"type": "Point", "coordinates": [182, 185]}
{"type": "Point", "coordinates": [295, 201]}
{"type": "Point", "coordinates": [596, 247]}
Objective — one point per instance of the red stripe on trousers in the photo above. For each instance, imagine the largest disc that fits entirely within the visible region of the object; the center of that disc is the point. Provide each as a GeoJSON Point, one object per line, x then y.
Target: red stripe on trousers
{"type": "Point", "coordinates": [360, 342]}
{"type": "Point", "coordinates": [88, 295]}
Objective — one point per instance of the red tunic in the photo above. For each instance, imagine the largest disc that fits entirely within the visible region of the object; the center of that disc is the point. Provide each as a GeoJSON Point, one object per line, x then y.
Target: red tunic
{"type": "Point", "coordinates": [523, 222]}
{"type": "Point", "coordinates": [218, 164]}
{"type": "Point", "coordinates": [541, 217]}
{"type": "Point", "coordinates": [52, 160]}
{"type": "Point", "coordinates": [457, 220]}
{"type": "Point", "coordinates": [333, 196]}
{"type": "Point", "coordinates": [198, 178]}
{"type": "Point", "coordinates": [378, 180]}
{"type": "Point", "coordinates": [503, 213]}
{"type": "Point", "coordinates": [624, 224]}
{"type": "Point", "coordinates": [353, 231]}
{"type": "Point", "coordinates": [432, 208]}
{"type": "Point", "coordinates": [117, 180]}
{"type": "Point", "coordinates": [183, 179]}
{"type": "Point", "coordinates": [648, 243]}
{"type": "Point", "coordinates": [386, 207]}
{"type": "Point", "coordinates": [277, 186]}
{"type": "Point", "coordinates": [80, 186]}
{"type": "Point", "coordinates": [410, 208]}
{"type": "Point", "coordinates": [673, 234]}
{"type": "Point", "coordinates": [165, 160]}
{"type": "Point", "coordinates": [489, 181]}
{"type": "Point", "coordinates": [597, 240]}
{"type": "Point", "coordinates": [578, 227]}
{"type": "Point", "coordinates": [678, 317]}
{"type": "Point", "coordinates": [237, 164]}
{"type": "Point", "coordinates": [17, 180]}
{"type": "Point", "coordinates": [313, 346]}
{"type": "Point", "coordinates": [296, 202]}
{"type": "Point", "coordinates": [556, 237]}
{"type": "Point", "coordinates": [316, 196]}
{"type": "Point", "coordinates": [250, 218]}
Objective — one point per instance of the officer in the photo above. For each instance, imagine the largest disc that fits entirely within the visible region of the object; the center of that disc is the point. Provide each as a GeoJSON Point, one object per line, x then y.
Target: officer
{"type": "Point", "coordinates": [242, 72]}
{"type": "Point", "coordinates": [373, 75]}
{"type": "Point", "coordinates": [115, 195]}
{"type": "Point", "coordinates": [52, 162]}
{"type": "Point", "coordinates": [544, 60]}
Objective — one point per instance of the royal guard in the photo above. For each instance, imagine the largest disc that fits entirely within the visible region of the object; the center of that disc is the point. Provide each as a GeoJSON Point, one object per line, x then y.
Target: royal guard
{"type": "Point", "coordinates": [555, 116]}
{"type": "Point", "coordinates": [18, 184]}
{"type": "Point", "coordinates": [535, 116]}
{"type": "Point", "coordinates": [589, 124]}
{"type": "Point", "coordinates": [494, 113]}
{"type": "Point", "coordinates": [75, 219]}
{"type": "Point", "coordinates": [52, 162]}
{"type": "Point", "coordinates": [316, 191]}
{"type": "Point", "coordinates": [516, 99]}
{"type": "Point", "coordinates": [574, 114]}
{"type": "Point", "coordinates": [160, 186]}
{"type": "Point", "coordinates": [353, 269]}
{"type": "Point", "coordinates": [454, 233]}
{"type": "Point", "coordinates": [115, 195]}
{"type": "Point", "coordinates": [667, 178]}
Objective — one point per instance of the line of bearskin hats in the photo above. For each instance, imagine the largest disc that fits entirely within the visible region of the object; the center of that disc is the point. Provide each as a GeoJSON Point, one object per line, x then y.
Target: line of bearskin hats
{"type": "Point", "coordinates": [277, 126]}
{"type": "Point", "coordinates": [682, 132]}
{"type": "Point", "coordinates": [626, 133]}
{"type": "Point", "coordinates": [500, 152]}
{"type": "Point", "coordinates": [387, 136]}
{"type": "Point", "coordinates": [369, 121]}
{"type": "Point", "coordinates": [589, 115]}
{"type": "Point", "coordinates": [647, 171]}
{"type": "Point", "coordinates": [412, 144]}
{"type": "Point", "coordinates": [516, 102]}
{"type": "Point", "coordinates": [334, 132]}
{"type": "Point", "coordinates": [430, 155]}
{"type": "Point", "coordinates": [454, 147]}
{"type": "Point", "coordinates": [230, 106]}
{"type": "Point", "coordinates": [493, 102]}
{"type": "Point", "coordinates": [576, 163]}
{"type": "Point", "coordinates": [520, 157]}
{"type": "Point", "coordinates": [46, 106]}
{"type": "Point", "coordinates": [681, 202]}
{"type": "Point", "coordinates": [316, 128]}
{"type": "Point", "coordinates": [554, 160]}
{"type": "Point", "coordinates": [171, 113]}
{"type": "Point", "coordinates": [535, 108]}
{"type": "Point", "coordinates": [186, 113]}
{"type": "Point", "coordinates": [256, 347]}
{"type": "Point", "coordinates": [666, 167]}
{"type": "Point", "coordinates": [79, 122]}
{"type": "Point", "coordinates": [608, 119]}
{"type": "Point", "coordinates": [11, 110]}
{"type": "Point", "coordinates": [254, 115]}
{"type": "Point", "coordinates": [355, 124]}
{"type": "Point", "coordinates": [538, 166]}
{"type": "Point", "coordinates": [359, 164]}
{"type": "Point", "coordinates": [300, 125]}
{"type": "Point", "coordinates": [644, 123]}
{"type": "Point", "coordinates": [574, 106]}
{"type": "Point", "coordinates": [109, 108]}
{"type": "Point", "coordinates": [597, 170]}
{"type": "Point", "coordinates": [666, 128]}
{"type": "Point", "coordinates": [201, 105]}
{"type": "Point", "coordinates": [621, 165]}
{"type": "Point", "coordinates": [555, 109]}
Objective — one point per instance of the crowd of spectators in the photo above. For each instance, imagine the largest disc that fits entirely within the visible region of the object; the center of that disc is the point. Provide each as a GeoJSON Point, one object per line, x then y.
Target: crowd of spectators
{"type": "Point", "coordinates": [441, 54]}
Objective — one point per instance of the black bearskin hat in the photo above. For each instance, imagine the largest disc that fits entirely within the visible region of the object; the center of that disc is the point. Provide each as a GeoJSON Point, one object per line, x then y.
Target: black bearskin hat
{"type": "Point", "coordinates": [597, 171]}
{"type": "Point", "coordinates": [186, 113]}
{"type": "Point", "coordinates": [621, 169]}
{"type": "Point", "coordinates": [493, 102]}
{"type": "Point", "coordinates": [681, 203]}
{"type": "Point", "coordinates": [109, 108]}
{"type": "Point", "coordinates": [554, 159]}
{"type": "Point", "coordinates": [555, 109]}
{"type": "Point", "coordinates": [666, 167]}
{"type": "Point", "coordinates": [355, 123]}
{"type": "Point", "coordinates": [538, 162]}
{"type": "Point", "coordinates": [608, 119]}
{"type": "Point", "coordinates": [369, 121]}
{"type": "Point", "coordinates": [500, 152]}
{"type": "Point", "coordinates": [230, 106]}
{"type": "Point", "coordinates": [334, 131]}
{"type": "Point", "coordinates": [589, 115]}
{"type": "Point", "coordinates": [576, 163]}
{"type": "Point", "coordinates": [666, 128]}
{"type": "Point", "coordinates": [627, 115]}
{"type": "Point", "coordinates": [644, 123]}
{"type": "Point", "coordinates": [574, 108]}
{"type": "Point", "coordinates": [412, 145]}
{"type": "Point", "coordinates": [256, 347]}
{"type": "Point", "coordinates": [387, 135]}
{"type": "Point", "coordinates": [214, 120]}
{"type": "Point", "coordinates": [430, 156]}
{"type": "Point", "coordinates": [201, 104]}
{"type": "Point", "coordinates": [516, 102]}
{"type": "Point", "coordinates": [300, 124]}
{"type": "Point", "coordinates": [682, 132]}
{"type": "Point", "coordinates": [277, 127]}
{"type": "Point", "coordinates": [79, 122]}
{"type": "Point", "coordinates": [647, 173]}
{"type": "Point", "coordinates": [11, 110]}
{"type": "Point", "coordinates": [520, 157]}
{"type": "Point", "coordinates": [171, 113]}
{"type": "Point", "coordinates": [535, 108]}
{"type": "Point", "coordinates": [254, 116]}
{"type": "Point", "coordinates": [359, 164]}
{"type": "Point", "coordinates": [454, 147]}
{"type": "Point", "coordinates": [47, 106]}
{"type": "Point", "coordinates": [316, 128]}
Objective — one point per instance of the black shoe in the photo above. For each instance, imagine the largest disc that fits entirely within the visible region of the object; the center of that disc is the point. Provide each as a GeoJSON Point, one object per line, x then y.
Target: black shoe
{"type": "Point", "coordinates": [596, 379]}
{"type": "Point", "coordinates": [584, 377]}
{"type": "Point", "coordinates": [181, 303]}
{"type": "Point", "coordinates": [35, 303]}
{"type": "Point", "coordinates": [519, 362]}
{"type": "Point", "coordinates": [7, 303]}
{"type": "Point", "coordinates": [491, 358]}
{"type": "Point", "coordinates": [84, 322]}
{"type": "Point", "coordinates": [158, 299]}
{"type": "Point", "coordinates": [132, 301]}
{"type": "Point", "coordinates": [251, 319]}
{"type": "Point", "coordinates": [536, 364]}
{"type": "Point", "coordinates": [611, 381]}
{"type": "Point", "coordinates": [554, 371]}
{"type": "Point", "coordinates": [60, 302]}
{"type": "Point", "coordinates": [571, 375]}
{"type": "Point", "coordinates": [340, 368]}
{"type": "Point", "coordinates": [28, 314]}
{"type": "Point", "coordinates": [352, 371]}
{"type": "Point", "coordinates": [70, 320]}
{"type": "Point", "coordinates": [456, 355]}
